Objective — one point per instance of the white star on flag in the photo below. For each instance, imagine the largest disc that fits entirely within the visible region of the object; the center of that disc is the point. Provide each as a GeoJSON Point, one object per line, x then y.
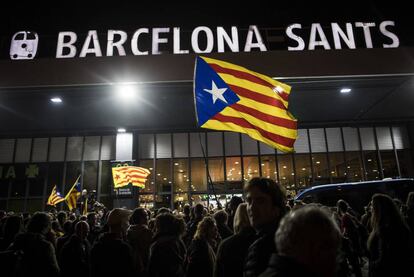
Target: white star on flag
{"type": "Point", "coordinates": [216, 92]}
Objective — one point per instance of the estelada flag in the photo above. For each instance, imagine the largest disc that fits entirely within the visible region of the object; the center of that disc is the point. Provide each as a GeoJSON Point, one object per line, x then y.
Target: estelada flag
{"type": "Point", "coordinates": [229, 97]}
{"type": "Point", "coordinates": [55, 197]}
{"type": "Point", "coordinates": [124, 175]}
{"type": "Point", "coordinates": [73, 194]}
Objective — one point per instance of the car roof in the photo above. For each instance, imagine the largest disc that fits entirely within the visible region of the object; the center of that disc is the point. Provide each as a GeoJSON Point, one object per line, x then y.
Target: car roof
{"type": "Point", "coordinates": [347, 185]}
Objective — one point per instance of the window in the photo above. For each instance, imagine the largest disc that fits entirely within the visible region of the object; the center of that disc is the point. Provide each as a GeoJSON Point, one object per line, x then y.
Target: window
{"type": "Point", "coordinates": [146, 201]}
{"type": "Point", "coordinates": [338, 167]}
{"type": "Point", "coordinates": [181, 175]}
{"type": "Point", "coordinates": [384, 138]}
{"type": "Point", "coordinates": [34, 205]}
{"type": "Point", "coordinates": [30, 36]}
{"type": "Point", "coordinates": [23, 150]}
{"type": "Point", "coordinates": [371, 165]}
{"type": "Point", "coordinates": [198, 175]}
{"type": "Point", "coordinates": [180, 145]}
{"type": "Point", "coordinates": [334, 137]}
{"type": "Point", "coordinates": [234, 174]}
{"type": "Point", "coordinates": [106, 178]}
{"type": "Point", "coordinates": [91, 148]}
{"type": "Point", "coordinates": [303, 170]}
{"type": "Point", "coordinates": [108, 148]}
{"type": "Point", "coordinates": [149, 184]}
{"type": "Point", "coordinates": [250, 167]}
{"type": "Point", "coordinates": [351, 139]}
{"type": "Point", "coordinates": [40, 149]}
{"type": "Point", "coordinates": [232, 143]}
{"type": "Point", "coordinates": [317, 138]}
{"type": "Point", "coordinates": [146, 146]}
{"type": "Point", "coordinates": [215, 144]}
{"type": "Point", "coordinates": [216, 170]}
{"type": "Point", "coordinates": [249, 145]}
{"type": "Point", "coordinates": [4, 187]}
{"type": "Point", "coordinates": [90, 177]}
{"type": "Point", "coordinates": [18, 184]}
{"type": "Point", "coordinates": [286, 172]}
{"type": "Point", "coordinates": [302, 142]}
{"type": "Point", "coordinates": [163, 179]}
{"type": "Point", "coordinates": [74, 149]}
{"type": "Point", "coordinates": [389, 164]}
{"type": "Point", "coordinates": [16, 205]}
{"type": "Point", "coordinates": [55, 177]}
{"type": "Point", "coordinates": [320, 169]}
{"type": "Point", "coordinates": [57, 149]}
{"type": "Point", "coordinates": [36, 175]}
{"type": "Point", "coordinates": [73, 171]}
{"type": "Point", "coordinates": [19, 37]}
{"type": "Point", "coordinates": [268, 166]}
{"type": "Point", "coordinates": [406, 163]}
{"type": "Point", "coordinates": [164, 146]}
{"type": "Point", "coordinates": [354, 167]}
{"type": "Point", "coordinates": [6, 150]}
{"type": "Point", "coordinates": [197, 144]}
{"type": "Point", "coordinates": [367, 138]}
{"type": "Point", "coordinates": [180, 199]}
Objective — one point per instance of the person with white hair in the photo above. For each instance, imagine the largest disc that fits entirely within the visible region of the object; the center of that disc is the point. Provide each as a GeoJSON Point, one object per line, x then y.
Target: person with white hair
{"type": "Point", "coordinates": [307, 241]}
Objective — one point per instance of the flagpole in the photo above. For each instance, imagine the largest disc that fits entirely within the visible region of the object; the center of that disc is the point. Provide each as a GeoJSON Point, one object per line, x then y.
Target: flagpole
{"type": "Point", "coordinates": [72, 187]}
{"type": "Point", "coordinates": [209, 181]}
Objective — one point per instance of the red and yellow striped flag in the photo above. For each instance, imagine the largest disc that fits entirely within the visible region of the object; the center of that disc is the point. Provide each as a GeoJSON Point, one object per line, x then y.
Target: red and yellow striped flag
{"type": "Point", "coordinates": [124, 175]}
{"type": "Point", "coordinates": [232, 98]}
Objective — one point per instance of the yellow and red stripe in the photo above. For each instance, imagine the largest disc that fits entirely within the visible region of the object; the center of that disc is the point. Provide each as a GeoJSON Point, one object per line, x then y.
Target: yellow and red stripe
{"type": "Point", "coordinates": [262, 112]}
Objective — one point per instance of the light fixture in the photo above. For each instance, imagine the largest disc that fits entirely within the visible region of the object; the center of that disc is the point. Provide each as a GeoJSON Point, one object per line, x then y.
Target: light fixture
{"type": "Point", "coordinates": [126, 91]}
{"type": "Point", "coordinates": [56, 100]}
{"type": "Point", "coordinates": [345, 90]}
{"type": "Point", "coordinates": [175, 163]}
{"type": "Point", "coordinates": [121, 130]}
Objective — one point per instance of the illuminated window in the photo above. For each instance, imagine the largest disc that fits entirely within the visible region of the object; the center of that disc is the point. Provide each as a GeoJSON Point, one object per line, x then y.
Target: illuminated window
{"type": "Point", "coordinates": [149, 184]}
{"type": "Point", "coordinates": [251, 167]}
{"type": "Point", "coordinates": [338, 167]}
{"type": "Point", "coordinates": [303, 170]}
{"type": "Point", "coordinates": [180, 199]}
{"type": "Point", "coordinates": [286, 172]}
{"type": "Point", "coordinates": [320, 168]}
{"type": "Point", "coordinates": [354, 166]}
{"type": "Point", "coordinates": [216, 169]}
{"type": "Point", "coordinates": [163, 178]}
{"type": "Point", "coordinates": [371, 165]}
{"type": "Point", "coordinates": [406, 163]}
{"type": "Point", "coordinates": [90, 177]}
{"type": "Point", "coordinates": [268, 165]}
{"type": "Point", "coordinates": [389, 164]}
{"type": "Point", "coordinates": [198, 175]}
{"type": "Point", "coordinates": [181, 175]}
{"type": "Point", "coordinates": [146, 201]}
{"type": "Point", "coordinates": [234, 174]}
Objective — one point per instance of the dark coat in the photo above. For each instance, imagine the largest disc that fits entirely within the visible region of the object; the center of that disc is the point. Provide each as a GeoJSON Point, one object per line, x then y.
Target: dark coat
{"type": "Point", "coordinates": [260, 251]}
{"type": "Point", "coordinates": [280, 266]}
{"type": "Point", "coordinates": [140, 237]}
{"type": "Point", "coordinates": [391, 253]}
{"type": "Point", "coordinates": [111, 256]}
{"type": "Point", "coordinates": [75, 258]}
{"type": "Point", "coordinates": [38, 258]}
{"type": "Point", "coordinates": [167, 256]}
{"type": "Point", "coordinates": [224, 231]}
{"type": "Point", "coordinates": [232, 253]}
{"type": "Point", "coordinates": [201, 259]}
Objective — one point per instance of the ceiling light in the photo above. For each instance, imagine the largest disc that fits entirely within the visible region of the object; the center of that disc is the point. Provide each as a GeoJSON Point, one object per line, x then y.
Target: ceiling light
{"type": "Point", "coordinates": [121, 130]}
{"type": "Point", "coordinates": [126, 92]}
{"type": "Point", "coordinates": [56, 100]}
{"type": "Point", "coordinates": [345, 90]}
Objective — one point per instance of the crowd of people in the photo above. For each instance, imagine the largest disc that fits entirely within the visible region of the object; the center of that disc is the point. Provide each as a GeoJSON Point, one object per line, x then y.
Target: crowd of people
{"type": "Point", "coordinates": [263, 235]}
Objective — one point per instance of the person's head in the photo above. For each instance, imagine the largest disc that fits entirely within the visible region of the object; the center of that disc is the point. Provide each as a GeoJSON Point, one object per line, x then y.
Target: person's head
{"type": "Point", "coordinates": [398, 203]}
{"type": "Point", "coordinates": [384, 212]}
{"type": "Point", "coordinates": [91, 219]}
{"type": "Point", "coordinates": [139, 216]}
{"type": "Point", "coordinates": [118, 220]}
{"type": "Point", "coordinates": [40, 223]}
{"type": "Point", "coordinates": [410, 200]}
{"type": "Point", "coordinates": [68, 227]}
{"type": "Point", "coordinates": [84, 192]}
{"type": "Point", "coordinates": [56, 226]}
{"type": "Point", "coordinates": [187, 210]}
{"type": "Point", "coordinates": [82, 229]}
{"type": "Point", "coordinates": [2, 214]}
{"type": "Point", "coordinates": [198, 210]}
{"type": "Point", "coordinates": [342, 206]}
{"type": "Point", "coordinates": [220, 217]}
{"type": "Point", "coordinates": [12, 226]}
{"type": "Point", "coordinates": [61, 217]}
{"type": "Point", "coordinates": [241, 218]}
{"type": "Point", "coordinates": [311, 237]}
{"type": "Point", "coordinates": [163, 210]}
{"type": "Point", "coordinates": [206, 229]}
{"type": "Point", "coordinates": [168, 224]}
{"type": "Point", "coordinates": [235, 201]}
{"type": "Point", "coordinates": [265, 201]}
